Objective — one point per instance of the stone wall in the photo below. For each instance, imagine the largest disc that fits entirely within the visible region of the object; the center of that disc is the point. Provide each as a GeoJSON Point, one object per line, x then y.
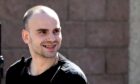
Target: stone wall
{"type": "Point", "coordinates": [95, 35]}
{"type": "Point", "coordinates": [134, 47]}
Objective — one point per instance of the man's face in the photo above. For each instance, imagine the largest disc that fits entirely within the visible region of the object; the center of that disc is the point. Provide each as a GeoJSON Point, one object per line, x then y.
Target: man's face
{"type": "Point", "coordinates": [43, 35]}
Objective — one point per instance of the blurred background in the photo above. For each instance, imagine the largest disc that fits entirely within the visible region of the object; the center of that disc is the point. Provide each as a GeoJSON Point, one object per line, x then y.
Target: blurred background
{"type": "Point", "coordinates": [96, 36]}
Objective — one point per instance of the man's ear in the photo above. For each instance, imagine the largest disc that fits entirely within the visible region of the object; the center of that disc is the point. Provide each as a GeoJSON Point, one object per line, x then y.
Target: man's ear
{"type": "Point", "coordinates": [25, 36]}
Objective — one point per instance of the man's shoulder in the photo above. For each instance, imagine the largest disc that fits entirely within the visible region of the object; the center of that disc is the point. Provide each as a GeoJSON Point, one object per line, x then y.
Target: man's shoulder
{"type": "Point", "coordinates": [70, 66]}
{"type": "Point", "coordinates": [73, 70]}
{"type": "Point", "coordinates": [18, 65]}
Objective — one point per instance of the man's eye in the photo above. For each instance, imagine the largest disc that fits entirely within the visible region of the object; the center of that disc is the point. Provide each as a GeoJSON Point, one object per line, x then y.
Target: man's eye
{"type": "Point", "coordinates": [56, 31]}
{"type": "Point", "coordinates": [42, 32]}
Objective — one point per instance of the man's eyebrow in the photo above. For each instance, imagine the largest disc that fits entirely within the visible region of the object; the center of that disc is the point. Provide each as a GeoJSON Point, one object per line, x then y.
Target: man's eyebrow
{"type": "Point", "coordinates": [42, 29]}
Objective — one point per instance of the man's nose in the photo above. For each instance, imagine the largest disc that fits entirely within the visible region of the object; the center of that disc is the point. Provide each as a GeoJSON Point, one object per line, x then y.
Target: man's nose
{"type": "Point", "coordinates": [51, 37]}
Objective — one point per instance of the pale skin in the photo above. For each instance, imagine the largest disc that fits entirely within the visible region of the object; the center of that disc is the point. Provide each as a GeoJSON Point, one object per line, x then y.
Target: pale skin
{"type": "Point", "coordinates": [43, 37]}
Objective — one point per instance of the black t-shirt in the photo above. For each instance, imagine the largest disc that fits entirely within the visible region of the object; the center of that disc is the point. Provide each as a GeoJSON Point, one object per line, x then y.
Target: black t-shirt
{"type": "Point", "coordinates": [64, 72]}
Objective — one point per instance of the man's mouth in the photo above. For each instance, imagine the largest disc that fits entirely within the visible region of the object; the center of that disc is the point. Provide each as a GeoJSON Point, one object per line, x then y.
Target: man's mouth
{"type": "Point", "coordinates": [49, 47]}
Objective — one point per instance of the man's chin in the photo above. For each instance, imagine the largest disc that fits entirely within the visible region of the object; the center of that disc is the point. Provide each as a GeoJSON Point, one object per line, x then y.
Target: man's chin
{"type": "Point", "coordinates": [50, 54]}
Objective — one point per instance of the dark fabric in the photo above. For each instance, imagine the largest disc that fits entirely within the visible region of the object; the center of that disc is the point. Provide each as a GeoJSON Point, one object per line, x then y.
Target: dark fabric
{"type": "Point", "coordinates": [64, 72]}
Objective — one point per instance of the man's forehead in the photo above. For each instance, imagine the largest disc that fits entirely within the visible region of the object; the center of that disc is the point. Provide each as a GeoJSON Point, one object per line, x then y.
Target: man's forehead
{"type": "Point", "coordinates": [44, 16]}
{"type": "Point", "coordinates": [42, 20]}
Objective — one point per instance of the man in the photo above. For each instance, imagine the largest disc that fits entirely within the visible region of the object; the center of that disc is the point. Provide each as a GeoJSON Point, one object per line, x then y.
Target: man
{"type": "Point", "coordinates": [42, 34]}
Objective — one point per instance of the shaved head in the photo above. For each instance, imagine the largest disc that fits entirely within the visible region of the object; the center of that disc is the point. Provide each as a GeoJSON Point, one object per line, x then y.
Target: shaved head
{"type": "Point", "coordinates": [40, 9]}
{"type": "Point", "coordinates": [42, 31]}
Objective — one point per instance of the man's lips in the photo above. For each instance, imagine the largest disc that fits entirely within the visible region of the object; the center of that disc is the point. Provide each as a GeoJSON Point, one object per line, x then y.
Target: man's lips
{"type": "Point", "coordinates": [49, 47]}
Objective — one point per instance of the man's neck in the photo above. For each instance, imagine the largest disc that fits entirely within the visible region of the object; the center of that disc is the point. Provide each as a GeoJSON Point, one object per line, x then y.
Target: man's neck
{"type": "Point", "coordinates": [39, 65]}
